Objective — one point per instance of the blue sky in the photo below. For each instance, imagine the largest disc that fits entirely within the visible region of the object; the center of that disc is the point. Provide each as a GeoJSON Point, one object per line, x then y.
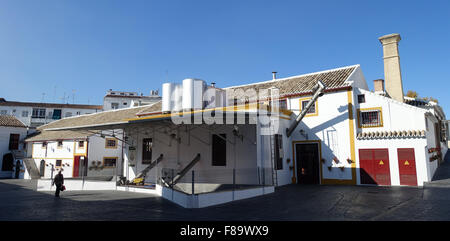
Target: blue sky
{"type": "Point", "coordinates": [55, 47]}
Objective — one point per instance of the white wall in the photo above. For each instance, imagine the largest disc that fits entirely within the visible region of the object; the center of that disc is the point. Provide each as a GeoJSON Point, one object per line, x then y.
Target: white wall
{"type": "Point", "coordinates": [423, 171]}
{"type": "Point", "coordinates": [4, 143]}
{"type": "Point", "coordinates": [241, 155]}
{"type": "Point", "coordinates": [96, 151]}
{"type": "Point", "coordinates": [331, 127]}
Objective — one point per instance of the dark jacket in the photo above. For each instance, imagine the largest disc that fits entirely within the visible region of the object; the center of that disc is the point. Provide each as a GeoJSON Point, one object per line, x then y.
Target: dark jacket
{"type": "Point", "coordinates": [58, 180]}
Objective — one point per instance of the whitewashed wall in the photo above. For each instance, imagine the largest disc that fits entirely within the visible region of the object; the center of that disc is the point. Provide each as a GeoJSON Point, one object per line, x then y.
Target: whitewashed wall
{"type": "Point", "coordinates": [97, 152]}
{"type": "Point", "coordinates": [331, 127]}
{"type": "Point", "coordinates": [241, 156]}
{"type": "Point", "coordinates": [398, 116]}
{"type": "Point", "coordinates": [94, 147]}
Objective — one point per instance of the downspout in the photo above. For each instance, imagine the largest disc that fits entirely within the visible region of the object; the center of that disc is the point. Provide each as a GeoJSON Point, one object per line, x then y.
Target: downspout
{"type": "Point", "coordinates": [318, 91]}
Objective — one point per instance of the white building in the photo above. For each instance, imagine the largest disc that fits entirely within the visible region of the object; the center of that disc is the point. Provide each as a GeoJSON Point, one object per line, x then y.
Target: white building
{"type": "Point", "coordinates": [12, 134]}
{"type": "Point", "coordinates": [121, 99]}
{"type": "Point", "coordinates": [350, 135]}
{"type": "Point", "coordinates": [77, 155]}
{"type": "Point", "coordinates": [35, 114]}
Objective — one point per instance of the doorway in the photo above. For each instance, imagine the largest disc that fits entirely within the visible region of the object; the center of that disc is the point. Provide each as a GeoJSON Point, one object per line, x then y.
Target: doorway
{"type": "Point", "coordinates": [307, 160]}
{"type": "Point", "coordinates": [374, 166]}
{"type": "Point", "coordinates": [79, 166]}
{"type": "Point", "coordinates": [407, 166]}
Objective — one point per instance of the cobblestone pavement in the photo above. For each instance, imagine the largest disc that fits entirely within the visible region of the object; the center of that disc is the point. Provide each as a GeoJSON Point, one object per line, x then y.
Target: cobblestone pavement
{"type": "Point", "coordinates": [18, 201]}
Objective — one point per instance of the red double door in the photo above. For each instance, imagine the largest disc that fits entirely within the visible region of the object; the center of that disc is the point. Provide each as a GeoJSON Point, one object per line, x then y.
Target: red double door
{"type": "Point", "coordinates": [374, 166]}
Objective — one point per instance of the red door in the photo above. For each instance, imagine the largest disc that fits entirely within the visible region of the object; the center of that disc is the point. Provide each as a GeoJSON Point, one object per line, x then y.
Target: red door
{"type": "Point", "coordinates": [374, 166]}
{"type": "Point", "coordinates": [76, 166]}
{"type": "Point", "coordinates": [407, 166]}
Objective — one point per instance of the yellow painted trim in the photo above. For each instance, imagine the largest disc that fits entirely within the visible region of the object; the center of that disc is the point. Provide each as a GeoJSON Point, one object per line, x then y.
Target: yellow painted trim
{"type": "Point", "coordinates": [315, 103]}
{"type": "Point", "coordinates": [373, 108]}
{"type": "Point", "coordinates": [110, 147]}
{"type": "Point", "coordinates": [319, 142]}
{"type": "Point", "coordinates": [351, 127]}
{"type": "Point", "coordinates": [109, 157]}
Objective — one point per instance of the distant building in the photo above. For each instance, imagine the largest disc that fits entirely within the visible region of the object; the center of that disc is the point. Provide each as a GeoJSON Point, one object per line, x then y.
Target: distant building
{"type": "Point", "coordinates": [121, 99]}
{"type": "Point", "coordinates": [12, 134]}
{"type": "Point", "coordinates": [34, 114]}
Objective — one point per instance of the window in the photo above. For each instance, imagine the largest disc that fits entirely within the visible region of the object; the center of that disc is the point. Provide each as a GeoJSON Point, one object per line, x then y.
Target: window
{"type": "Point", "coordinates": [14, 141]}
{"type": "Point", "coordinates": [58, 163]}
{"type": "Point", "coordinates": [111, 143]}
{"type": "Point", "coordinates": [109, 161]}
{"type": "Point", "coordinates": [371, 117]}
{"type": "Point", "coordinates": [147, 150]}
{"type": "Point", "coordinates": [124, 103]}
{"type": "Point", "coordinates": [361, 99]}
{"type": "Point", "coordinates": [56, 114]}
{"type": "Point", "coordinates": [283, 104]}
{"type": "Point", "coordinates": [279, 153]}
{"type": "Point", "coordinates": [25, 113]}
{"type": "Point", "coordinates": [44, 145]}
{"type": "Point", "coordinates": [68, 114]}
{"type": "Point", "coordinates": [219, 150]}
{"type": "Point", "coordinates": [60, 144]}
{"type": "Point", "coordinates": [78, 112]}
{"type": "Point", "coordinates": [312, 110]}
{"type": "Point", "coordinates": [38, 113]}
{"type": "Point", "coordinates": [81, 144]}
{"type": "Point", "coordinates": [114, 106]}
{"type": "Point", "coordinates": [3, 112]}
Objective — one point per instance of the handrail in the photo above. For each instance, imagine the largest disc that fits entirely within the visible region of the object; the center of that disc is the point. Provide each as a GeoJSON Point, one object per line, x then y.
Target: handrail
{"type": "Point", "coordinates": [144, 172]}
{"type": "Point", "coordinates": [185, 170]}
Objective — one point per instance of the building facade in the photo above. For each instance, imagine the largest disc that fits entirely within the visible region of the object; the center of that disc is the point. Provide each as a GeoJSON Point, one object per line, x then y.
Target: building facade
{"type": "Point", "coordinates": [36, 114]}
{"type": "Point", "coordinates": [12, 135]}
{"type": "Point", "coordinates": [121, 99]}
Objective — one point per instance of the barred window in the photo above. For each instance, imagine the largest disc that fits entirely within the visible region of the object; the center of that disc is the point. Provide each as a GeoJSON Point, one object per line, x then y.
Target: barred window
{"type": "Point", "coordinates": [311, 110]}
{"type": "Point", "coordinates": [111, 143]}
{"type": "Point", "coordinates": [109, 161]}
{"type": "Point", "coordinates": [370, 118]}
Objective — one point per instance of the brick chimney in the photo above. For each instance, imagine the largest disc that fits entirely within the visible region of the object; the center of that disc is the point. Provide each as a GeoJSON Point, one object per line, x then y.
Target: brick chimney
{"type": "Point", "coordinates": [378, 85]}
{"type": "Point", "coordinates": [392, 73]}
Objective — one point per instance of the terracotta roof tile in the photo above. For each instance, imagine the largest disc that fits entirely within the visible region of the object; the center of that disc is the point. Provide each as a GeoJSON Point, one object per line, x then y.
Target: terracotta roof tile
{"type": "Point", "coordinates": [11, 121]}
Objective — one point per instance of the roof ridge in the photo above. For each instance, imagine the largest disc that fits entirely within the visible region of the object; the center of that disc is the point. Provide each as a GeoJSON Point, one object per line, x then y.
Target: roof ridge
{"type": "Point", "coordinates": [297, 76]}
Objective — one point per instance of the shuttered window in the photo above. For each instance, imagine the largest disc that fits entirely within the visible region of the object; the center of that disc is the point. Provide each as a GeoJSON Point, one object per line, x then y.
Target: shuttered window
{"type": "Point", "coordinates": [14, 141]}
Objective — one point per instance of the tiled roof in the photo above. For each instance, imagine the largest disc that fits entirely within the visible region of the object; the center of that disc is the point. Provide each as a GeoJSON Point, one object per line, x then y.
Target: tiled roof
{"type": "Point", "coordinates": [106, 117]}
{"type": "Point", "coordinates": [49, 105]}
{"type": "Point", "coordinates": [57, 135]}
{"type": "Point", "coordinates": [333, 79]}
{"type": "Point", "coordinates": [11, 121]}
